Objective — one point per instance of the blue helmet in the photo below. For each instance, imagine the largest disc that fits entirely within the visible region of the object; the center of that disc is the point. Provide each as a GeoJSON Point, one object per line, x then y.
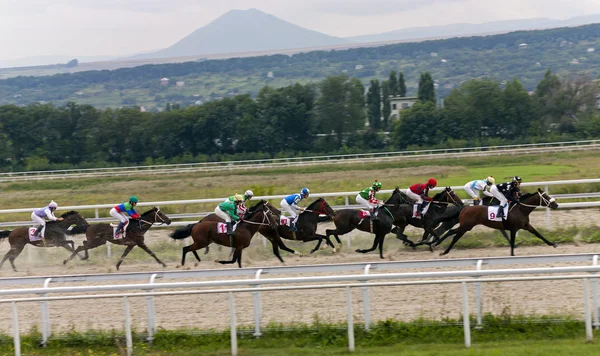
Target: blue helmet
{"type": "Point", "coordinates": [305, 191]}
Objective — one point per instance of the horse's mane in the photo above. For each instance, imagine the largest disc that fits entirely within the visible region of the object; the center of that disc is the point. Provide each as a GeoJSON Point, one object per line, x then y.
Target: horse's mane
{"type": "Point", "coordinates": [310, 206]}
{"type": "Point", "coordinates": [254, 209]}
{"type": "Point", "coordinates": [150, 211]}
{"type": "Point", "coordinates": [527, 195]}
{"type": "Point", "coordinates": [71, 212]}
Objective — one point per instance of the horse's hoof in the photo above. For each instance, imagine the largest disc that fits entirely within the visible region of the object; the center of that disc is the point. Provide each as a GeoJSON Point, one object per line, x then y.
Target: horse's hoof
{"type": "Point", "coordinates": [65, 262]}
{"type": "Point", "coordinates": [443, 254]}
{"type": "Point", "coordinates": [555, 245]}
{"type": "Point", "coordinates": [164, 265]}
{"type": "Point", "coordinates": [196, 264]}
{"type": "Point", "coordinates": [334, 250]}
{"type": "Point", "coordinates": [178, 266]}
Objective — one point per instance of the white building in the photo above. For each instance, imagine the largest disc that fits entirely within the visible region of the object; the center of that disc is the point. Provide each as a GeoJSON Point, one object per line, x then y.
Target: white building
{"type": "Point", "coordinates": [180, 83]}
{"type": "Point", "coordinates": [399, 103]}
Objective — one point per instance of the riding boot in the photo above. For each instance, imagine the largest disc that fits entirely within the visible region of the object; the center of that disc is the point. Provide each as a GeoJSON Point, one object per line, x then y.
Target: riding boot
{"type": "Point", "coordinates": [475, 202]}
{"type": "Point", "coordinates": [375, 214]}
{"type": "Point", "coordinates": [293, 226]}
{"type": "Point", "coordinates": [501, 211]}
{"type": "Point", "coordinates": [119, 229]}
{"type": "Point", "coordinates": [38, 231]}
{"type": "Point", "coordinates": [229, 228]}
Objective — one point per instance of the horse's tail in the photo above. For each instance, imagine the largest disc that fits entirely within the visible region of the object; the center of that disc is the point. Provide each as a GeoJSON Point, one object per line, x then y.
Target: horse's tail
{"type": "Point", "coordinates": [4, 234]}
{"type": "Point", "coordinates": [182, 232]}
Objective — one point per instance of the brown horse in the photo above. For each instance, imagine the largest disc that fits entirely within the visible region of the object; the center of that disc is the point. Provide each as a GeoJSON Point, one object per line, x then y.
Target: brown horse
{"type": "Point", "coordinates": [98, 235]}
{"type": "Point", "coordinates": [55, 236]}
{"type": "Point", "coordinates": [206, 232]}
{"type": "Point", "coordinates": [518, 219]}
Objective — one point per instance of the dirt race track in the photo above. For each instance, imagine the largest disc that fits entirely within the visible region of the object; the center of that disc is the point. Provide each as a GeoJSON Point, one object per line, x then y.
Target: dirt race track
{"type": "Point", "coordinates": [211, 311]}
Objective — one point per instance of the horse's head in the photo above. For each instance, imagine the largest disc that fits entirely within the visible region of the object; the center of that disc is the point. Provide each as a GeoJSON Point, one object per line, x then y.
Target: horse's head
{"type": "Point", "coordinates": [449, 196]}
{"type": "Point", "coordinates": [262, 213]}
{"type": "Point", "coordinates": [547, 201]}
{"type": "Point", "coordinates": [273, 209]}
{"type": "Point", "coordinates": [74, 218]}
{"type": "Point", "coordinates": [155, 215]}
{"type": "Point", "coordinates": [321, 207]}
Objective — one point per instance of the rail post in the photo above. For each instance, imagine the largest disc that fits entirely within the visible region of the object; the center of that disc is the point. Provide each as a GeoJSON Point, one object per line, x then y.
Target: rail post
{"type": "Point", "coordinates": [466, 320]}
{"type": "Point", "coordinates": [108, 250]}
{"type": "Point", "coordinates": [128, 339]}
{"type": "Point", "coordinates": [367, 301]}
{"type": "Point", "coordinates": [589, 335]}
{"type": "Point", "coordinates": [15, 327]}
{"type": "Point", "coordinates": [478, 299]}
{"type": "Point", "coordinates": [45, 314]}
{"type": "Point", "coordinates": [346, 201]}
{"type": "Point", "coordinates": [350, 320]}
{"type": "Point", "coordinates": [234, 348]}
{"type": "Point", "coordinates": [595, 296]}
{"type": "Point", "coordinates": [150, 310]}
{"type": "Point", "coordinates": [96, 213]}
{"type": "Point", "coordinates": [257, 306]}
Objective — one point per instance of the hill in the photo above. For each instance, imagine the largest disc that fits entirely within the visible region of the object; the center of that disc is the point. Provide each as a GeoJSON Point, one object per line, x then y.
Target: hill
{"type": "Point", "coordinates": [469, 29]}
{"type": "Point", "coordinates": [245, 31]}
{"type": "Point", "coordinates": [451, 61]}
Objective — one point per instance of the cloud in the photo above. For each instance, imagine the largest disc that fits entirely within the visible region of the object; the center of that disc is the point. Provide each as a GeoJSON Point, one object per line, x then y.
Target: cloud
{"type": "Point", "coordinates": [376, 7]}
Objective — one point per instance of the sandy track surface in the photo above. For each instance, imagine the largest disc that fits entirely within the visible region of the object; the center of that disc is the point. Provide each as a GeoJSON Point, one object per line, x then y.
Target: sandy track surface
{"type": "Point", "coordinates": [211, 311]}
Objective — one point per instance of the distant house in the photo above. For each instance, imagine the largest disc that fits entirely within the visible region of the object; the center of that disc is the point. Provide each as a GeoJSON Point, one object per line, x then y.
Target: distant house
{"type": "Point", "coordinates": [449, 86]}
{"type": "Point", "coordinates": [433, 54]}
{"type": "Point", "coordinates": [523, 45]}
{"type": "Point", "coordinates": [180, 83]}
{"type": "Point", "coordinates": [444, 61]}
{"type": "Point", "coordinates": [358, 67]}
{"type": "Point", "coordinates": [270, 75]}
{"type": "Point", "coordinates": [591, 49]}
{"type": "Point", "coordinates": [164, 81]}
{"type": "Point", "coordinates": [143, 109]}
{"type": "Point", "coordinates": [399, 103]}
{"type": "Point", "coordinates": [575, 61]}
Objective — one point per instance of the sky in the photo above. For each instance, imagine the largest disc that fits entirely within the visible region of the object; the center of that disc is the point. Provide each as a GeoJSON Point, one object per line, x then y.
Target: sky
{"type": "Point", "coordinates": [121, 27]}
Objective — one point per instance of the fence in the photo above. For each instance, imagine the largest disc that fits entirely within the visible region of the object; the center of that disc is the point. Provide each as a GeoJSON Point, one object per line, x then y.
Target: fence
{"type": "Point", "coordinates": [256, 274]}
{"type": "Point", "coordinates": [303, 161]}
{"type": "Point", "coordinates": [255, 286]}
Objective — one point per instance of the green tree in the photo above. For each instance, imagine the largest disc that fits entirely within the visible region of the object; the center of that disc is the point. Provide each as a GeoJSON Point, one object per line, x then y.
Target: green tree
{"type": "Point", "coordinates": [340, 106]}
{"type": "Point", "coordinates": [426, 91]}
{"type": "Point", "coordinates": [386, 106]}
{"type": "Point", "coordinates": [401, 85]}
{"type": "Point", "coordinates": [393, 83]}
{"type": "Point", "coordinates": [374, 104]}
{"type": "Point", "coordinates": [518, 110]}
{"type": "Point", "coordinates": [419, 125]}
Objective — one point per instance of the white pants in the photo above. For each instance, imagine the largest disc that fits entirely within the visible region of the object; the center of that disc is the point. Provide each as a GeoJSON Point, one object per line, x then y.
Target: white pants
{"type": "Point", "coordinates": [498, 195]}
{"type": "Point", "coordinates": [39, 221]}
{"type": "Point", "coordinates": [223, 215]}
{"type": "Point", "coordinates": [417, 198]}
{"type": "Point", "coordinates": [472, 192]}
{"type": "Point", "coordinates": [121, 217]}
{"type": "Point", "coordinates": [290, 209]}
{"type": "Point", "coordinates": [365, 203]}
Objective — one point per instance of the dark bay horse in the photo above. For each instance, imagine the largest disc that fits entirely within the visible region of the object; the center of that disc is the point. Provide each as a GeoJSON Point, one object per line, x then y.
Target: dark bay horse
{"type": "Point", "coordinates": [307, 225]}
{"type": "Point", "coordinates": [347, 220]}
{"type": "Point", "coordinates": [449, 218]}
{"type": "Point", "coordinates": [437, 207]}
{"type": "Point", "coordinates": [518, 218]}
{"type": "Point", "coordinates": [55, 236]}
{"type": "Point", "coordinates": [206, 232]}
{"type": "Point", "coordinates": [99, 234]}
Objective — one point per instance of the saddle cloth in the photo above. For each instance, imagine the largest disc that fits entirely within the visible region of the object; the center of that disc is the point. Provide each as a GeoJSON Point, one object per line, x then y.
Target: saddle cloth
{"type": "Point", "coordinates": [285, 221]}
{"type": "Point", "coordinates": [222, 227]}
{"type": "Point", "coordinates": [364, 214]}
{"type": "Point", "coordinates": [121, 235]}
{"type": "Point", "coordinates": [31, 233]}
{"type": "Point", "coordinates": [493, 213]}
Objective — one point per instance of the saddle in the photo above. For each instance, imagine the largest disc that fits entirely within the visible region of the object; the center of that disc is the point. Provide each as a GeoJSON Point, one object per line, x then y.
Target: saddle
{"type": "Point", "coordinates": [222, 228]}
{"type": "Point", "coordinates": [285, 221]}
{"type": "Point", "coordinates": [493, 212]}
{"type": "Point", "coordinates": [31, 233]}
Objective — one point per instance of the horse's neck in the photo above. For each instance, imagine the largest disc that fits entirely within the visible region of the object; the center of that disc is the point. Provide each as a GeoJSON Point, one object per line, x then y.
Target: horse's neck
{"type": "Point", "coordinates": [529, 207]}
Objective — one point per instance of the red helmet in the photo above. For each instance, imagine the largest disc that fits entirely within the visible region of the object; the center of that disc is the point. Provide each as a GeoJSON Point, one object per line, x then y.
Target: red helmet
{"type": "Point", "coordinates": [432, 182]}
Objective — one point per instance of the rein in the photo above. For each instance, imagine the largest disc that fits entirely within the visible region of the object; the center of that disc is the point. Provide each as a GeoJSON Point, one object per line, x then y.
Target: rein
{"type": "Point", "coordinates": [162, 221]}
{"type": "Point", "coordinates": [543, 200]}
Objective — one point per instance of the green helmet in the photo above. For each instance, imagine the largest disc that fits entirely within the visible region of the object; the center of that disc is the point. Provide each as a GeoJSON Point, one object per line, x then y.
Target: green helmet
{"type": "Point", "coordinates": [133, 199]}
{"type": "Point", "coordinates": [376, 185]}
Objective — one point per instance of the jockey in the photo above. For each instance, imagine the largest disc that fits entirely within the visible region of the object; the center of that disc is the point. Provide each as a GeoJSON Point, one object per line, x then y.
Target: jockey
{"type": "Point", "coordinates": [290, 204]}
{"type": "Point", "coordinates": [419, 192]}
{"type": "Point", "coordinates": [242, 207]}
{"type": "Point", "coordinates": [38, 216]}
{"type": "Point", "coordinates": [474, 187]}
{"type": "Point", "coordinates": [506, 193]}
{"type": "Point", "coordinates": [119, 211]}
{"type": "Point", "coordinates": [366, 198]}
{"type": "Point", "coordinates": [228, 211]}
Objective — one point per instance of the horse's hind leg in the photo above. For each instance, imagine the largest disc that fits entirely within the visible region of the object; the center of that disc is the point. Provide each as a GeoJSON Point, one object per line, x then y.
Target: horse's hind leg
{"type": "Point", "coordinates": [74, 253]}
{"type": "Point", "coordinates": [375, 244]}
{"type": "Point", "coordinates": [69, 245]}
{"type": "Point", "coordinates": [16, 251]}
{"type": "Point", "coordinates": [335, 233]}
{"type": "Point", "coordinates": [125, 253]}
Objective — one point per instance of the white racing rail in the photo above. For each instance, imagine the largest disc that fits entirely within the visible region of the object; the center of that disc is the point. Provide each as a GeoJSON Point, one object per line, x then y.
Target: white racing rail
{"type": "Point", "coordinates": [304, 161]}
{"type": "Point", "coordinates": [256, 286]}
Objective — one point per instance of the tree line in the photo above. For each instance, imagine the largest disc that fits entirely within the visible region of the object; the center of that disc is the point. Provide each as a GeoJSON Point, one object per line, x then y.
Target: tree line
{"type": "Point", "coordinates": [335, 115]}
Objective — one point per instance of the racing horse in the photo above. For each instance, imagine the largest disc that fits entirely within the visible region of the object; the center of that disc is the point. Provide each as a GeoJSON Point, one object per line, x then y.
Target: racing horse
{"type": "Point", "coordinates": [518, 218]}
{"type": "Point", "coordinates": [347, 220]}
{"type": "Point", "coordinates": [55, 236]}
{"type": "Point", "coordinates": [206, 232]}
{"type": "Point", "coordinates": [100, 234]}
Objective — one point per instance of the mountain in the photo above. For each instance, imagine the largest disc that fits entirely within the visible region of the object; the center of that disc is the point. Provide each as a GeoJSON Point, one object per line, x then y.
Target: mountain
{"type": "Point", "coordinates": [245, 31]}
{"type": "Point", "coordinates": [463, 29]}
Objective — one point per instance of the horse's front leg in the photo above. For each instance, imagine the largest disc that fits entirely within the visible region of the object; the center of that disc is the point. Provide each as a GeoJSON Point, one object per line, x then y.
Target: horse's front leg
{"type": "Point", "coordinates": [143, 246]}
{"type": "Point", "coordinates": [531, 229]}
{"type": "Point", "coordinates": [375, 244]}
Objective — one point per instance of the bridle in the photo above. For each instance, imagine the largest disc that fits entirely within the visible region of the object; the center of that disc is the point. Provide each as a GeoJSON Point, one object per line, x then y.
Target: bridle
{"type": "Point", "coordinates": [266, 211]}
{"type": "Point", "coordinates": [322, 211]}
{"type": "Point", "coordinates": [543, 202]}
{"type": "Point", "coordinates": [156, 218]}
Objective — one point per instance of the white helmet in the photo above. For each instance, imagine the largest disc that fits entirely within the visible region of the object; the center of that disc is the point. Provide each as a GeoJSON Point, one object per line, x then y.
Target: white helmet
{"type": "Point", "coordinates": [491, 180]}
{"type": "Point", "coordinates": [53, 205]}
{"type": "Point", "coordinates": [249, 194]}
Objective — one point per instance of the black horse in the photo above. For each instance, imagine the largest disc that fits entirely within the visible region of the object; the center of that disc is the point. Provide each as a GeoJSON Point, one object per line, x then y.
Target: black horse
{"type": "Point", "coordinates": [346, 220]}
